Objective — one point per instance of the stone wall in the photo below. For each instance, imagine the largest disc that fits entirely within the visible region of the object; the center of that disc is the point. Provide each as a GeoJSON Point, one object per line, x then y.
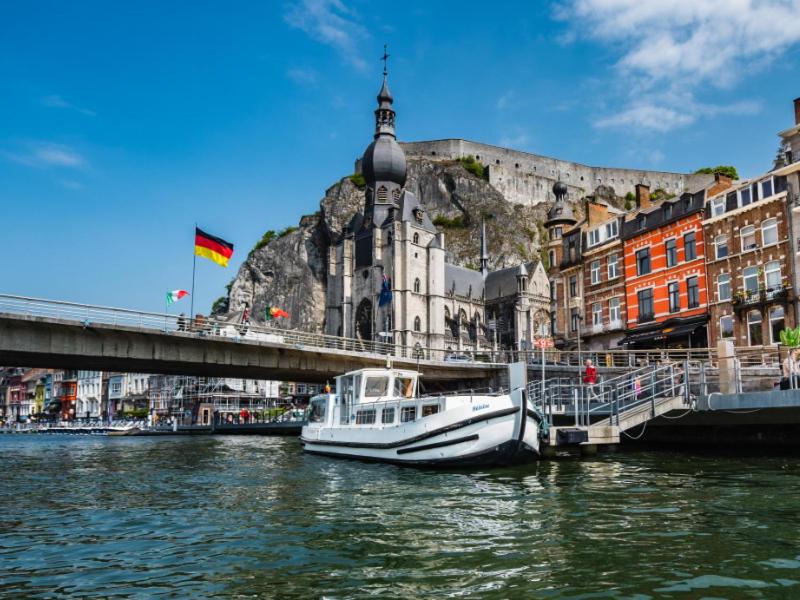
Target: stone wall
{"type": "Point", "coordinates": [528, 178]}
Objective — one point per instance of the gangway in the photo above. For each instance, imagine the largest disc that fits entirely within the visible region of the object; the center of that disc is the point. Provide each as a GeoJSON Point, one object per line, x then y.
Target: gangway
{"type": "Point", "coordinates": [605, 410]}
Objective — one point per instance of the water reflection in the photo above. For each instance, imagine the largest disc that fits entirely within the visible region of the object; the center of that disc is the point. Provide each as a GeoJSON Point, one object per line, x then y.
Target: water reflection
{"type": "Point", "coordinates": [254, 516]}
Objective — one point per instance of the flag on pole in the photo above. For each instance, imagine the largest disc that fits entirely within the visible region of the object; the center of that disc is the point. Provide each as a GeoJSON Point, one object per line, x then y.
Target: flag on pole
{"type": "Point", "coordinates": [273, 312]}
{"type": "Point", "coordinates": [175, 295]}
{"type": "Point", "coordinates": [386, 291]}
{"type": "Point", "coordinates": [212, 247]}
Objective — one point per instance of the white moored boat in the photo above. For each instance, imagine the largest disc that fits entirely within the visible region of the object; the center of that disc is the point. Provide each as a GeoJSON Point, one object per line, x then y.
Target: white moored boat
{"type": "Point", "coordinates": [376, 414]}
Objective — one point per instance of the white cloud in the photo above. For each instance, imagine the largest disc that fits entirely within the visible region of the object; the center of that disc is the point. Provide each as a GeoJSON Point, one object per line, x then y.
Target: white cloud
{"type": "Point", "coordinates": [330, 22]}
{"type": "Point", "coordinates": [302, 76]}
{"type": "Point", "coordinates": [46, 154]}
{"type": "Point", "coordinates": [671, 50]}
{"type": "Point", "coordinates": [56, 101]}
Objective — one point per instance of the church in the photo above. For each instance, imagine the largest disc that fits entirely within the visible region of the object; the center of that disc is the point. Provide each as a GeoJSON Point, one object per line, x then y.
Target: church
{"type": "Point", "coordinates": [388, 278]}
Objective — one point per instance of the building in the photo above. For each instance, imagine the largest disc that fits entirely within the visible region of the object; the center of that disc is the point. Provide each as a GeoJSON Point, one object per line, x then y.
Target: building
{"type": "Point", "coordinates": [665, 278]}
{"type": "Point", "coordinates": [125, 393]}
{"type": "Point", "coordinates": [65, 394]}
{"type": "Point", "coordinates": [748, 263]}
{"type": "Point", "coordinates": [561, 218]}
{"type": "Point", "coordinates": [603, 299]}
{"type": "Point", "coordinates": [388, 279]}
{"type": "Point", "coordinates": [89, 394]}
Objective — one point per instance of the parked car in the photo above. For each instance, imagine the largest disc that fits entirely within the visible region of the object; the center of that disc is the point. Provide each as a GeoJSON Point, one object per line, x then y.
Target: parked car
{"type": "Point", "coordinates": [457, 357]}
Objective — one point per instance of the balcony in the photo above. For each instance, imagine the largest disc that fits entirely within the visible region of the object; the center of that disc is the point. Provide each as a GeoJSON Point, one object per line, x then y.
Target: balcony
{"type": "Point", "coordinates": [753, 298]}
{"type": "Point", "coordinates": [601, 328]}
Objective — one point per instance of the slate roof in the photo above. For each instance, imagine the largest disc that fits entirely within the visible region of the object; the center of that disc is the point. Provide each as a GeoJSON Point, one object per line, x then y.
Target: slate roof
{"type": "Point", "coordinates": [466, 281]}
{"type": "Point", "coordinates": [504, 282]}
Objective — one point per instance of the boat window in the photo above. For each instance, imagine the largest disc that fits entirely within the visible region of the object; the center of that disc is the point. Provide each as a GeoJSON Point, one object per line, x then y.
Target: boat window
{"type": "Point", "coordinates": [318, 408]}
{"type": "Point", "coordinates": [429, 409]}
{"type": "Point", "coordinates": [347, 389]}
{"type": "Point", "coordinates": [404, 386]}
{"type": "Point", "coordinates": [356, 389]}
{"type": "Point", "coordinates": [365, 417]}
{"type": "Point", "coordinates": [387, 415]}
{"type": "Point", "coordinates": [408, 413]}
{"type": "Point", "coordinates": [376, 386]}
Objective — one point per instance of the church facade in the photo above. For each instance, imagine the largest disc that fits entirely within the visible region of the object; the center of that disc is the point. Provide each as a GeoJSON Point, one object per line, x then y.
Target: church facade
{"type": "Point", "coordinates": [388, 279]}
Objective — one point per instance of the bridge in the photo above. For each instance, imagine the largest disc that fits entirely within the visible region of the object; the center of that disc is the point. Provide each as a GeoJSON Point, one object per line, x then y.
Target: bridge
{"type": "Point", "coordinates": [66, 335]}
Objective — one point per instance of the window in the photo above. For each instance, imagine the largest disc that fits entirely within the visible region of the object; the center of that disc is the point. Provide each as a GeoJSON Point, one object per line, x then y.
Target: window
{"type": "Point", "coordinates": [693, 291]}
{"type": "Point", "coordinates": [429, 409]}
{"type": "Point", "coordinates": [776, 324]}
{"type": "Point", "coordinates": [674, 296]}
{"type": "Point", "coordinates": [376, 387]}
{"type": "Point", "coordinates": [643, 261]}
{"type": "Point", "coordinates": [614, 314]}
{"type": "Point", "coordinates": [417, 285]}
{"type": "Point", "coordinates": [553, 323]}
{"type": "Point", "coordinates": [415, 238]}
{"type": "Point", "coordinates": [403, 387]}
{"type": "Point", "coordinates": [671, 248]}
{"type": "Point", "coordinates": [645, 298]}
{"type": "Point", "coordinates": [552, 290]}
{"type": "Point", "coordinates": [572, 248]}
{"type": "Point", "coordinates": [612, 230]}
{"type": "Point", "coordinates": [595, 271]}
{"type": "Point", "coordinates": [754, 337]}
{"type": "Point", "coordinates": [750, 278]}
{"type": "Point", "coordinates": [721, 245]}
{"type": "Point", "coordinates": [723, 287]}
{"type": "Point", "coordinates": [689, 246]}
{"type": "Point", "coordinates": [597, 314]}
{"type": "Point", "coordinates": [717, 207]}
{"type": "Point", "coordinates": [573, 319]}
{"type": "Point", "coordinates": [748, 237]}
{"type": "Point", "coordinates": [766, 188]}
{"type": "Point", "coordinates": [641, 222]}
{"type": "Point", "coordinates": [726, 326]}
{"type": "Point", "coordinates": [772, 275]}
{"type": "Point", "coordinates": [408, 413]}
{"type": "Point", "coordinates": [383, 194]}
{"type": "Point", "coordinates": [387, 416]}
{"type": "Point", "coordinates": [365, 416]}
{"type": "Point", "coordinates": [769, 232]}
{"type": "Point", "coordinates": [594, 237]}
{"type": "Point", "coordinates": [573, 286]}
{"type": "Point", "coordinates": [556, 234]}
{"type": "Point", "coordinates": [417, 324]}
{"type": "Point", "coordinates": [667, 211]}
{"type": "Point", "coordinates": [552, 258]}
{"type": "Point", "coordinates": [613, 269]}
{"type": "Point", "coordinates": [744, 196]}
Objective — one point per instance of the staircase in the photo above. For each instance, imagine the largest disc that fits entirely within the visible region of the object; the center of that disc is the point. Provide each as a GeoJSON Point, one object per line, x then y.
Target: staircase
{"type": "Point", "coordinates": [604, 411]}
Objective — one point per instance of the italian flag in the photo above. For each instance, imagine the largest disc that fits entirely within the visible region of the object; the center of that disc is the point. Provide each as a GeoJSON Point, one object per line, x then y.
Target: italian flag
{"type": "Point", "coordinates": [175, 295]}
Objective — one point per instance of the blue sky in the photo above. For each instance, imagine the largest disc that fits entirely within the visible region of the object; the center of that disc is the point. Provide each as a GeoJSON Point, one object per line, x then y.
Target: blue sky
{"type": "Point", "coordinates": [124, 124]}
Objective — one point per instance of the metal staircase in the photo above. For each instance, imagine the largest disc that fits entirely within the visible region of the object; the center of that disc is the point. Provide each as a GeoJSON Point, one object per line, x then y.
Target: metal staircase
{"type": "Point", "coordinates": [609, 408]}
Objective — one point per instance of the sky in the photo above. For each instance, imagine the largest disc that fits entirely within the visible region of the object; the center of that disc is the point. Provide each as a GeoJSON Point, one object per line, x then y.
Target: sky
{"type": "Point", "coordinates": [124, 124]}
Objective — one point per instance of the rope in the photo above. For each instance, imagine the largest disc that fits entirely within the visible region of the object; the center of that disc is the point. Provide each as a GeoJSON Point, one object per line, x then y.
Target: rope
{"type": "Point", "coordinates": [679, 416]}
{"type": "Point", "coordinates": [638, 437]}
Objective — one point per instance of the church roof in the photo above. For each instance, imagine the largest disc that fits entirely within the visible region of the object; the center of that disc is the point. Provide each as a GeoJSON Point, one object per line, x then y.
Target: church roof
{"type": "Point", "coordinates": [465, 282]}
{"type": "Point", "coordinates": [409, 205]}
{"type": "Point", "coordinates": [504, 282]}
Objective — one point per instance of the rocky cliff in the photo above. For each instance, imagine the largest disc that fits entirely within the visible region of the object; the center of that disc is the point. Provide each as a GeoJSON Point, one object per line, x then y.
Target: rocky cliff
{"type": "Point", "coordinates": [290, 270]}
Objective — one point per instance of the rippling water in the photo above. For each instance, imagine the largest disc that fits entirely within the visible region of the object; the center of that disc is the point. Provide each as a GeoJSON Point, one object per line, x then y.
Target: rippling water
{"type": "Point", "coordinates": [245, 517]}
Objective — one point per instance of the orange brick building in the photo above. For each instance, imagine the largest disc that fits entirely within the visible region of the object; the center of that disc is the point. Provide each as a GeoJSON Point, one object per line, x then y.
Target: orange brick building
{"type": "Point", "coordinates": [665, 279]}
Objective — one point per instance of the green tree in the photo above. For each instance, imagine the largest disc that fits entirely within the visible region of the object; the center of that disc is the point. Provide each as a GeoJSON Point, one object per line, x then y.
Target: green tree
{"type": "Point", "coordinates": [630, 201]}
{"type": "Point", "coordinates": [727, 170]}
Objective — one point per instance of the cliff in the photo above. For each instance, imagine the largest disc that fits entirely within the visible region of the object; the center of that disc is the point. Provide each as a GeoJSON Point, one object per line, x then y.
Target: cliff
{"type": "Point", "coordinates": [290, 270]}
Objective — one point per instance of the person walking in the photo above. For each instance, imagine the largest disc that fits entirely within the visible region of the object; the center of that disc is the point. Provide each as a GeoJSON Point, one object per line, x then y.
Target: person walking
{"type": "Point", "coordinates": [791, 371]}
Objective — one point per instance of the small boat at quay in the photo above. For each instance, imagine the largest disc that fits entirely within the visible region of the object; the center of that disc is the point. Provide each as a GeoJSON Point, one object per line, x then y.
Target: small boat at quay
{"type": "Point", "coordinates": [377, 415]}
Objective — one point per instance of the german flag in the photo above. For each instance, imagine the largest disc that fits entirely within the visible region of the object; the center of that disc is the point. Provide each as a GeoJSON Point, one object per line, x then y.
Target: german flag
{"type": "Point", "coordinates": [212, 247]}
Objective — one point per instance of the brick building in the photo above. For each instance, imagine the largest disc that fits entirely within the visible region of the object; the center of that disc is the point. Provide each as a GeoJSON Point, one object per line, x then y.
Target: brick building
{"type": "Point", "coordinates": [560, 218]}
{"type": "Point", "coordinates": [603, 299]}
{"type": "Point", "coordinates": [665, 280]}
{"type": "Point", "coordinates": [749, 262]}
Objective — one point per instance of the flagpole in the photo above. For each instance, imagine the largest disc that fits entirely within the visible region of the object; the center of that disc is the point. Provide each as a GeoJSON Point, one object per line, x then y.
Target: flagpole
{"type": "Point", "coordinates": [194, 269]}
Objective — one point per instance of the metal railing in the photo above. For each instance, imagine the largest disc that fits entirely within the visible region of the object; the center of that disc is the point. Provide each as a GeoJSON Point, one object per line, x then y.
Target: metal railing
{"type": "Point", "coordinates": [613, 398]}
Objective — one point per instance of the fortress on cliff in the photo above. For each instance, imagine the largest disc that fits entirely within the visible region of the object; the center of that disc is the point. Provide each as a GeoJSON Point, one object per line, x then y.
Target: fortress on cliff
{"type": "Point", "coordinates": [528, 178]}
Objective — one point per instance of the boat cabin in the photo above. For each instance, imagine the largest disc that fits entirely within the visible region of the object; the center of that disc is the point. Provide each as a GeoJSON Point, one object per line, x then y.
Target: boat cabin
{"type": "Point", "coordinates": [376, 385]}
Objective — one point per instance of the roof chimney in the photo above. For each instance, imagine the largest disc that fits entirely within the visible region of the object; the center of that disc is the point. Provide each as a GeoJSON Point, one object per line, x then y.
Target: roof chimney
{"type": "Point", "coordinates": [797, 111]}
{"type": "Point", "coordinates": [642, 196]}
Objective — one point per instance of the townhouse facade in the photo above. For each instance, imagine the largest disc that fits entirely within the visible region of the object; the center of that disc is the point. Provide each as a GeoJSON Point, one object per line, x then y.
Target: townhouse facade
{"type": "Point", "coordinates": [665, 279]}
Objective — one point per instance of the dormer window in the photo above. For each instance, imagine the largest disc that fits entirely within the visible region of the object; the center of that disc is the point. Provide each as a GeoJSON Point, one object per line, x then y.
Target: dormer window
{"type": "Point", "coordinates": [667, 211]}
{"type": "Point", "coordinates": [641, 221]}
{"type": "Point", "coordinates": [418, 213]}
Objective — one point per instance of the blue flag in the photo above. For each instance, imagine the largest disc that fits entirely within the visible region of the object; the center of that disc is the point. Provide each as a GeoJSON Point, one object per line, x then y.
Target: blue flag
{"type": "Point", "coordinates": [386, 291]}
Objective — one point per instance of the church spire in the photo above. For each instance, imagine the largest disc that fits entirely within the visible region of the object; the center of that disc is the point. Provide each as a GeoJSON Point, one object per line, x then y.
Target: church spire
{"type": "Point", "coordinates": [484, 251]}
{"type": "Point", "coordinates": [384, 115]}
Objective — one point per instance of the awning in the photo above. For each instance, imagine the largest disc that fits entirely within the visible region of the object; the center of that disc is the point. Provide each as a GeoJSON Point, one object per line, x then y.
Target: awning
{"type": "Point", "coordinates": [681, 330]}
{"type": "Point", "coordinates": [662, 333]}
{"type": "Point", "coordinates": [643, 336]}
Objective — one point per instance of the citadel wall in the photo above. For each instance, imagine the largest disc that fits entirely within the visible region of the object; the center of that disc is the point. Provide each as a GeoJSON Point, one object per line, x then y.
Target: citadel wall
{"type": "Point", "coordinates": [528, 178]}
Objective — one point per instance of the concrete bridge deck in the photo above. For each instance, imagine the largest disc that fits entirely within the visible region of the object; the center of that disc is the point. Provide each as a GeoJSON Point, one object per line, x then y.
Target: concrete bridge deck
{"type": "Point", "coordinates": [43, 341]}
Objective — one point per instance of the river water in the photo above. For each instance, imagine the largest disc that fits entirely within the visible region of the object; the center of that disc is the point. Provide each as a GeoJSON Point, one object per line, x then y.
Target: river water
{"type": "Point", "coordinates": [255, 517]}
